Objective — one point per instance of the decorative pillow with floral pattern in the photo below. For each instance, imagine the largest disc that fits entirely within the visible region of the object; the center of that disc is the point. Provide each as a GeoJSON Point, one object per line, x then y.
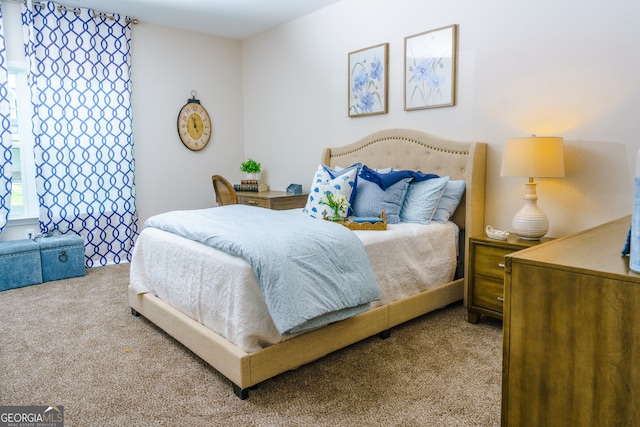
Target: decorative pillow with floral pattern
{"type": "Point", "coordinates": [326, 180]}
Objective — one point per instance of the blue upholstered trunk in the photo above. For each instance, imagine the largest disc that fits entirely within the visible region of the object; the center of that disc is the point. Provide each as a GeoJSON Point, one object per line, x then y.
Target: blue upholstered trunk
{"type": "Point", "coordinates": [62, 256]}
{"type": "Point", "coordinates": [20, 264]}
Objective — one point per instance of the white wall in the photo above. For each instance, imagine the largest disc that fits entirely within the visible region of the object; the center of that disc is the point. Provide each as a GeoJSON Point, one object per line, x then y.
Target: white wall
{"type": "Point", "coordinates": [167, 64]}
{"type": "Point", "coordinates": [565, 68]}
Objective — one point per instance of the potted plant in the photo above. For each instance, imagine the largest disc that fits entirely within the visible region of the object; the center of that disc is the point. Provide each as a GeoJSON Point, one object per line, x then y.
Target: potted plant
{"type": "Point", "coordinates": [251, 168]}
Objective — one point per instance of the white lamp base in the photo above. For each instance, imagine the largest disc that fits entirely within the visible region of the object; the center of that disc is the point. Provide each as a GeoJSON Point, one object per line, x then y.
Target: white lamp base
{"type": "Point", "coordinates": [530, 223]}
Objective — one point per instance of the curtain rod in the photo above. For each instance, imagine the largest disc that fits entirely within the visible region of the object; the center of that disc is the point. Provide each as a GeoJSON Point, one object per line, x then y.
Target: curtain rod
{"type": "Point", "coordinates": [77, 12]}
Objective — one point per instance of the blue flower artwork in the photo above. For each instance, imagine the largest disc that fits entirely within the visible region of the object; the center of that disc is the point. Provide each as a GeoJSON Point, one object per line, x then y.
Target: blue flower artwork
{"type": "Point", "coordinates": [368, 81]}
{"type": "Point", "coordinates": [430, 65]}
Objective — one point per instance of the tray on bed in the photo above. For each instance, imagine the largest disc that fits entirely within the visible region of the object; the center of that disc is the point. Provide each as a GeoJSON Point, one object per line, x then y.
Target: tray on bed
{"type": "Point", "coordinates": [356, 224]}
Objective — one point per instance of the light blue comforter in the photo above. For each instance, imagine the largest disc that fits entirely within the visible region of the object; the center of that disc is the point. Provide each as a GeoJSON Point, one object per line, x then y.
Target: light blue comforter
{"type": "Point", "coordinates": [311, 272]}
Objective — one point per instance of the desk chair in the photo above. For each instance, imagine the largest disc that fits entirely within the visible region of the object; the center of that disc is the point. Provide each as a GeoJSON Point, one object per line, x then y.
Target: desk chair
{"type": "Point", "coordinates": [225, 193]}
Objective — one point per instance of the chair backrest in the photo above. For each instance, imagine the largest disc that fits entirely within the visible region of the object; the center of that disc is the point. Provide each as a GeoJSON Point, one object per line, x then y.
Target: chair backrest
{"type": "Point", "coordinates": [225, 193]}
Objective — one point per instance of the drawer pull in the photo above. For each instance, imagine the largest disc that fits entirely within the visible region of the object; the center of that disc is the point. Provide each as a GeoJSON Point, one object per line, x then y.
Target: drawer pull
{"type": "Point", "coordinates": [501, 299]}
{"type": "Point", "coordinates": [252, 202]}
{"type": "Point", "coordinates": [501, 265]}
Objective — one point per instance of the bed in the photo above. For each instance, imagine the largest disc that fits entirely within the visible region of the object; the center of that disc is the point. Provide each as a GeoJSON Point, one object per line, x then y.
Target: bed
{"type": "Point", "coordinates": [247, 366]}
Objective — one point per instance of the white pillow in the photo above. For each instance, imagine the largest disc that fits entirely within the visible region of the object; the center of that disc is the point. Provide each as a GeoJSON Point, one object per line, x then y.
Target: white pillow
{"type": "Point", "coordinates": [323, 183]}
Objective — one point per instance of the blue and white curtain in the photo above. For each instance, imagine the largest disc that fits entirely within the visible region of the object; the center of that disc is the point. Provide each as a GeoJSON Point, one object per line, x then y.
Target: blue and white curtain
{"type": "Point", "coordinates": [5, 134]}
{"type": "Point", "coordinates": [79, 64]}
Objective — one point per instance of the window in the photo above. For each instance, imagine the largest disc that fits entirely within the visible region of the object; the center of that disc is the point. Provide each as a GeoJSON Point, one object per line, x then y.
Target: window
{"type": "Point", "coordinates": [24, 200]}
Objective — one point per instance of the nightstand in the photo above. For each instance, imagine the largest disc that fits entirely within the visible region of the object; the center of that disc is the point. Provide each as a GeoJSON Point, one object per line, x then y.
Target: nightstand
{"type": "Point", "coordinates": [485, 275]}
{"type": "Point", "coordinates": [277, 200]}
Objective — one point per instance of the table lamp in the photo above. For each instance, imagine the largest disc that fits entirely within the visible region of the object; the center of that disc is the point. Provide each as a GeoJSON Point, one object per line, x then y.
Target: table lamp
{"type": "Point", "coordinates": [532, 157]}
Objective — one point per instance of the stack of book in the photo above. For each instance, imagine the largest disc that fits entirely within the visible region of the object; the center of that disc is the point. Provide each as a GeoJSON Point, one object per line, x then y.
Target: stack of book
{"type": "Point", "coordinates": [251, 185]}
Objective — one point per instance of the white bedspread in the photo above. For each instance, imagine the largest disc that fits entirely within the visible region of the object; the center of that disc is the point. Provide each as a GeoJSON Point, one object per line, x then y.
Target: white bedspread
{"type": "Point", "coordinates": [326, 263]}
{"type": "Point", "coordinates": [221, 291]}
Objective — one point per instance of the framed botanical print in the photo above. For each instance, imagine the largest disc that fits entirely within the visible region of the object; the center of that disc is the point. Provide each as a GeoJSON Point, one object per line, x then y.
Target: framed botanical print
{"type": "Point", "coordinates": [368, 80]}
{"type": "Point", "coordinates": [430, 69]}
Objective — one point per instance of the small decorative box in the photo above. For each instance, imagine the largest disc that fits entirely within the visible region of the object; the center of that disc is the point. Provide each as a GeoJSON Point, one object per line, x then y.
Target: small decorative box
{"type": "Point", "coordinates": [294, 189]}
{"type": "Point", "coordinates": [62, 256]}
{"type": "Point", "coordinates": [19, 264]}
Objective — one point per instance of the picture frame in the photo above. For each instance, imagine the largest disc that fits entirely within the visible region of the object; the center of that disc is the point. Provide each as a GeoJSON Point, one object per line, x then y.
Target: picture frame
{"type": "Point", "coordinates": [430, 66]}
{"type": "Point", "coordinates": [368, 80]}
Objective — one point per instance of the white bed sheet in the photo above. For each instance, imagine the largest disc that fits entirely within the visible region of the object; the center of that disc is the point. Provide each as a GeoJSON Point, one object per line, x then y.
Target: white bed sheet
{"type": "Point", "coordinates": [221, 291]}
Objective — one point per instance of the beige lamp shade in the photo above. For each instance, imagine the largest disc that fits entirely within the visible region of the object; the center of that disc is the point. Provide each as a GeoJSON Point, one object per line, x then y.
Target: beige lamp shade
{"type": "Point", "coordinates": [534, 157]}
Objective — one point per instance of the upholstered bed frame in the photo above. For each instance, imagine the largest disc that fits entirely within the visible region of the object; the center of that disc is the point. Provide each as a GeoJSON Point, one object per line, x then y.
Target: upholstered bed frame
{"type": "Point", "coordinates": [398, 148]}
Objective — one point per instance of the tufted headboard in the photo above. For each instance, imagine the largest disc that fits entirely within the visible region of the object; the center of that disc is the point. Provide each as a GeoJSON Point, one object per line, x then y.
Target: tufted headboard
{"type": "Point", "coordinates": [415, 150]}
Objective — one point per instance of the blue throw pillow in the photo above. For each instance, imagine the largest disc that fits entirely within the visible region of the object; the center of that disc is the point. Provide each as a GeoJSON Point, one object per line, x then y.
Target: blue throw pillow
{"type": "Point", "coordinates": [342, 184]}
{"type": "Point", "coordinates": [386, 179]}
{"type": "Point", "coordinates": [449, 201]}
{"type": "Point", "coordinates": [422, 199]}
{"type": "Point", "coordinates": [370, 199]}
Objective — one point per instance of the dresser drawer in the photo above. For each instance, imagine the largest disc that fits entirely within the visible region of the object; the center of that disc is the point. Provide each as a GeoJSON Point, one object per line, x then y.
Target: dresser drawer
{"type": "Point", "coordinates": [254, 201]}
{"type": "Point", "coordinates": [289, 202]}
{"type": "Point", "coordinates": [489, 261]}
{"type": "Point", "coordinates": [488, 293]}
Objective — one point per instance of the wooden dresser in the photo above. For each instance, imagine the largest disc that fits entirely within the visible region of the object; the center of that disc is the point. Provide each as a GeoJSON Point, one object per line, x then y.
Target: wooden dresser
{"type": "Point", "coordinates": [277, 200]}
{"type": "Point", "coordinates": [572, 332]}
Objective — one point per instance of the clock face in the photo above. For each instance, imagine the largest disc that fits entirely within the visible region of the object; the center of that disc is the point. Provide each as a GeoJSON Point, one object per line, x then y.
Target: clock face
{"type": "Point", "coordinates": [194, 126]}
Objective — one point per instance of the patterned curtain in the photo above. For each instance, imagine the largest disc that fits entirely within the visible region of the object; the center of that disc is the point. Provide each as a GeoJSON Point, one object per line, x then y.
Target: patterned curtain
{"type": "Point", "coordinates": [79, 64]}
{"type": "Point", "coordinates": [5, 134]}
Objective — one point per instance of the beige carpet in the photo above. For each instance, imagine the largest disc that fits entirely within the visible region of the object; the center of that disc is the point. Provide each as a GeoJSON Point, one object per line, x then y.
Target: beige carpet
{"type": "Point", "coordinates": [74, 343]}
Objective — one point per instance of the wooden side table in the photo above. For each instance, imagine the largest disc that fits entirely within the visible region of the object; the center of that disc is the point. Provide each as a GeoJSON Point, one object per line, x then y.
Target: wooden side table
{"type": "Point", "coordinates": [277, 200]}
{"type": "Point", "coordinates": [485, 274]}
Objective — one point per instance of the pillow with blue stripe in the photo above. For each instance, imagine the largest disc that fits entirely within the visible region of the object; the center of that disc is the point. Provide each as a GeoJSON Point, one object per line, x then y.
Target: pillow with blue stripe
{"type": "Point", "coordinates": [327, 180]}
{"type": "Point", "coordinates": [422, 200]}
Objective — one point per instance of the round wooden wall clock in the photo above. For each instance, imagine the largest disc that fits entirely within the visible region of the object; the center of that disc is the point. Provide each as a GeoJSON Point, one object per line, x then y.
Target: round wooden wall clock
{"type": "Point", "coordinates": [194, 124]}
